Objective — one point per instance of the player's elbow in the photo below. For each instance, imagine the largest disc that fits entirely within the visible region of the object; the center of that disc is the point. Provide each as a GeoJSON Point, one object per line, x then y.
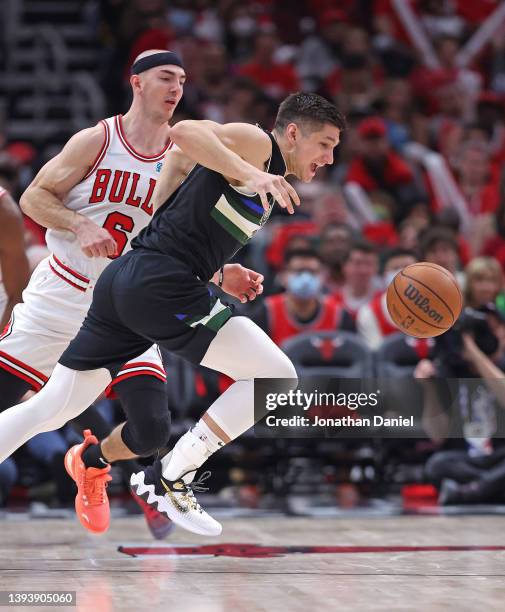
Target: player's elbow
{"type": "Point", "coordinates": [26, 202]}
{"type": "Point", "coordinates": [183, 131]}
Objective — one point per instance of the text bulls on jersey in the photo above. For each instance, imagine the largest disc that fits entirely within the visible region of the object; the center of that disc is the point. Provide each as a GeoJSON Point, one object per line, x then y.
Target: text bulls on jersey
{"type": "Point", "coordinates": [109, 187]}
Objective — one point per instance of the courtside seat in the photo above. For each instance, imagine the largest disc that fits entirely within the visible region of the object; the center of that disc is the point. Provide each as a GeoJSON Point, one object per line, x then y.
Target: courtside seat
{"type": "Point", "coordinates": [399, 354]}
{"type": "Point", "coordinates": [338, 354]}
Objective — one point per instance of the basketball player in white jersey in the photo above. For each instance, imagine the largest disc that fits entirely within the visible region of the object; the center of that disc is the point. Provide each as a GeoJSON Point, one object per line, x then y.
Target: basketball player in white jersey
{"type": "Point", "coordinates": [94, 197]}
{"type": "Point", "coordinates": [14, 268]}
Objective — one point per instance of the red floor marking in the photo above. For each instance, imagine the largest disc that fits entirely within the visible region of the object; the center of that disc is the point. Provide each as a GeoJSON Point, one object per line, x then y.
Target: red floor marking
{"type": "Point", "coordinates": [253, 550]}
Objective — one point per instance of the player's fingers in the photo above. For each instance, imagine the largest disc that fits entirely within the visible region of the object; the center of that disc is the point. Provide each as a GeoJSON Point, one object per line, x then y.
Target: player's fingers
{"type": "Point", "coordinates": [286, 200]}
{"type": "Point", "coordinates": [87, 251]}
{"type": "Point", "coordinates": [264, 200]}
{"type": "Point", "coordinates": [102, 250]}
{"type": "Point", "coordinates": [292, 192]}
{"type": "Point", "coordinates": [111, 247]}
{"type": "Point", "coordinates": [257, 278]}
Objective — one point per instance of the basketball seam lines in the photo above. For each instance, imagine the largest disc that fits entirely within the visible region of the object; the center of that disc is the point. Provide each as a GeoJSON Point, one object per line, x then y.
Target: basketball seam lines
{"type": "Point", "coordinates": [439, 269]}
{"type": "Point", "coordinates": [431, 290]}
{"type": "Point", "coordinates": [415, 313]}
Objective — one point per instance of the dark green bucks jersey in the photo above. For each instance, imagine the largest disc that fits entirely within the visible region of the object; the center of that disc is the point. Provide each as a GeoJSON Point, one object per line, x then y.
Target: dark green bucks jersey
{"type": "Point", "coordinates": [206, 221]}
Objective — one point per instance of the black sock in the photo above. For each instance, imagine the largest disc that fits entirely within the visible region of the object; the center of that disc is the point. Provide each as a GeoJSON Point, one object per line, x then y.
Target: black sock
{"type": "Point", "coordinates": [93, 457]}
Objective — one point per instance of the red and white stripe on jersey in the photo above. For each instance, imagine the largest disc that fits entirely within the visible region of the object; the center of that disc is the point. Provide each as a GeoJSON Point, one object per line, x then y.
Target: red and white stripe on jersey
{"type": "Point", "coordinates": [103, 150]}
{"type": "Point", "coordinates": [36, 379]}
{"type": "Point", "coordinates": [70, 276]}
{"type": "Point", "coordinates": [137, 368]}
{"type": "Point", "coordinates": [140, 368]}
{"type": "Point", "coordinates": [8, 328]}
{"type": "Point", "coordinates": [131, 150]}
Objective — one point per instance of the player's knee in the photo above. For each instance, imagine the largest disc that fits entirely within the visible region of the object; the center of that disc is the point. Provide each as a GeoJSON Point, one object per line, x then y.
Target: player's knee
{"type": "Point", "coordinates": [148, 435]}
{"type": "Point", "coordinates": [280, 366]}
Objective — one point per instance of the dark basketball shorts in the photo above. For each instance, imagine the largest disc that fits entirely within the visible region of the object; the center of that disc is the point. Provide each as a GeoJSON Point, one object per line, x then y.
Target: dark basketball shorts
{"type": "Point", "coordinates": [144, 298]}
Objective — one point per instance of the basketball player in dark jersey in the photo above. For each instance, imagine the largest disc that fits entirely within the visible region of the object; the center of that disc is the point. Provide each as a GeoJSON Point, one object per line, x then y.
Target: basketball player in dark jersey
{"type": "Point", "coordinates": [159, 292]}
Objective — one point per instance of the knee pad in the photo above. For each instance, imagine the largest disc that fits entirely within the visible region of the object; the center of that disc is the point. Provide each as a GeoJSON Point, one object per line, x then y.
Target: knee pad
{"type": "Point", "coordinates": [147, 439]}
{"type": "Point", "coordinates": [144, 400]}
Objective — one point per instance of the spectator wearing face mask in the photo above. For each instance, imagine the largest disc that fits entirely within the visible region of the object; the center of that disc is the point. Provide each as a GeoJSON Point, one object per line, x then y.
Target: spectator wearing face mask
{"type": "Point", "coordinates": [373, 322]}
{"type": "Point", "coordinates": [303, 306]}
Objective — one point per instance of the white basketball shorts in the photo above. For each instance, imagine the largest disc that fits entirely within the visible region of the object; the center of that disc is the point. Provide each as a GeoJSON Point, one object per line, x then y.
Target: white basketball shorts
{"type": "Point", "coordinates": [55, 303]}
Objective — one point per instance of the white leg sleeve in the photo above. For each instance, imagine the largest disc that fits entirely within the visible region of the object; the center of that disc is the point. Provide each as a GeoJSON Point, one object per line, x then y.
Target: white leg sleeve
{"type": "Point", "coordinates": [243, 351]}
{"type": "Point", "coordinates": [65, 395]}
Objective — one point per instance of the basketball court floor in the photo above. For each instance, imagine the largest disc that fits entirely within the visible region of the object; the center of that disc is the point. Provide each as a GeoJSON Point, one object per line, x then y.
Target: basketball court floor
{"type": "Point", "coordinates": [265, 564]}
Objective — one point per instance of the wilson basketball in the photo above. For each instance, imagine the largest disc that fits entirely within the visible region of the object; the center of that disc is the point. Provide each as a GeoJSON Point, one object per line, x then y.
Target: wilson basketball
{"type": "Point", "coordinates": [424, 300]}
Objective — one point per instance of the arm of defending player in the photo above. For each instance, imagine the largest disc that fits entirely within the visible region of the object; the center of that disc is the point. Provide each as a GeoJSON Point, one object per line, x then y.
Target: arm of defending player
{"type": "Point", "coordinates": [239, 152]}
{"type": "Point", "coordinates": [43, 199]}
{"type": "Point", "coordinates": [13, 260]}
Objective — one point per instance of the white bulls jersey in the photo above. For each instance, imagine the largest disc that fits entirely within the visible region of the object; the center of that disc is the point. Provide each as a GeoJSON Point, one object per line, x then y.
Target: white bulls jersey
{"type": "Point", "coordinates": [3, 295]}
{"type": "Point", "coordinates": [116, 194]}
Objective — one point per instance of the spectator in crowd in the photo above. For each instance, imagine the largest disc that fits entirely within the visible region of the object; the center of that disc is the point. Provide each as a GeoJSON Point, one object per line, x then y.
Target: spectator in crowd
{"type": "Point", "coordinates": [373, 322]}
{"type": "Point", "coordinates": [439, 246]}
{"type": "Point", "coordinates": [319, 52]}
{"type": "Point", "coordinates": [275, 78]}
{"type": "Point", "coordinates": [335, 241]}
{"type": "Point", "coordinates": [484, 281]}
{"type": "Point", "coordinates": [349, 85]}
{"type": "Point", "coordinates": [474, 471]}
{"type": "Point", "coordinates": [360, 277]}
{"type": "Point", "coordinates": [378, 168]}
{"type": "Point", "coordinates": [303, 306]}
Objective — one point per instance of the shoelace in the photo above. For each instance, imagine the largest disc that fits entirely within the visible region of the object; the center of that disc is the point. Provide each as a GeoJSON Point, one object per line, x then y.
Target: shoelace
{"type": "Point", "coordinates": [197, 486]}
{"type": "Point", "coordinates": [94, 489]}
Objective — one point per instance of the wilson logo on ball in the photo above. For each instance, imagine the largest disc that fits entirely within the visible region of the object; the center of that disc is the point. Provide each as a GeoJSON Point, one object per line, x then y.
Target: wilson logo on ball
{"type": "Point", "coordinates": [422, 302]}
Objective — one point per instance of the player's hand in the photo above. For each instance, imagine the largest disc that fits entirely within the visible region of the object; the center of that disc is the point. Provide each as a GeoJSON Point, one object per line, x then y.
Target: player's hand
{"type": "Point", "coordinates": [242, 283]}
{"type": "Point", "coordinates": [264, 183]}
{"type": "Point", "coordinates": [95, 241]}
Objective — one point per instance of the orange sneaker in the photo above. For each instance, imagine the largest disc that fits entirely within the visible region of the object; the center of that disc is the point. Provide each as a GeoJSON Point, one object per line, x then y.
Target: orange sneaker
{"type": "Point", "coordinates": [91, 501]}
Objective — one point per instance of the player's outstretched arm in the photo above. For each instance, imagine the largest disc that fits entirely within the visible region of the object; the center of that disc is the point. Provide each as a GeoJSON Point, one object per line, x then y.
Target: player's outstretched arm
{"type": "Point", "coordinates": [239, 152]}
{"type": "Point", "coordinates": [44, 197]}
{"type": "Point", "coordinates": [176, 168]}
{"type": "Point", "coordinates": [13, 260]}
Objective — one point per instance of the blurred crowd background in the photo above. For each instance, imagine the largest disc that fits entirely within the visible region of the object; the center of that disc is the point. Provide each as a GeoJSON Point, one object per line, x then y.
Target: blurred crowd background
{"type": "Point", "coordinates": [418, 176]}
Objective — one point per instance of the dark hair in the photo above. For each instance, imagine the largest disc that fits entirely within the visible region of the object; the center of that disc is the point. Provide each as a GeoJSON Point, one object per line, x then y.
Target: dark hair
{"type": "Point", "coordinates": [397, 252]}
{"type": "Point", "coordinates": [308, 108]}
{"type": "Point", "coordinates": [435, 235]}
{"type": "Point", "coordinates": [305, 253]}
{"type": "Point", "coordinates": [363, 246]}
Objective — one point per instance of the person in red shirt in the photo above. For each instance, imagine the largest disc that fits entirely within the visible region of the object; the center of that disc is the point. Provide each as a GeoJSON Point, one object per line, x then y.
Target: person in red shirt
{"type": "Point", "coordinates": [276, 79]}
{"type": "Point", "coordinates": [378, 168]}
{"type": "Point", "coordinates": [373, 322]}
{"type": "Point", "coordinates": [303, 307]}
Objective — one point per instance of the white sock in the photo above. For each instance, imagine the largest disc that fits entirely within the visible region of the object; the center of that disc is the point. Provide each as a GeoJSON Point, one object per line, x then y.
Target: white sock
{"type": "Point", "coordinates": [187, 456]}
{"type": "Point", "coordinates": [212, 441]}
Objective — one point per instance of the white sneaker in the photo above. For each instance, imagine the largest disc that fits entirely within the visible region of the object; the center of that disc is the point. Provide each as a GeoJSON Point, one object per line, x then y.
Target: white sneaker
{"type": "Point", "coordinates": [175, 499]}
